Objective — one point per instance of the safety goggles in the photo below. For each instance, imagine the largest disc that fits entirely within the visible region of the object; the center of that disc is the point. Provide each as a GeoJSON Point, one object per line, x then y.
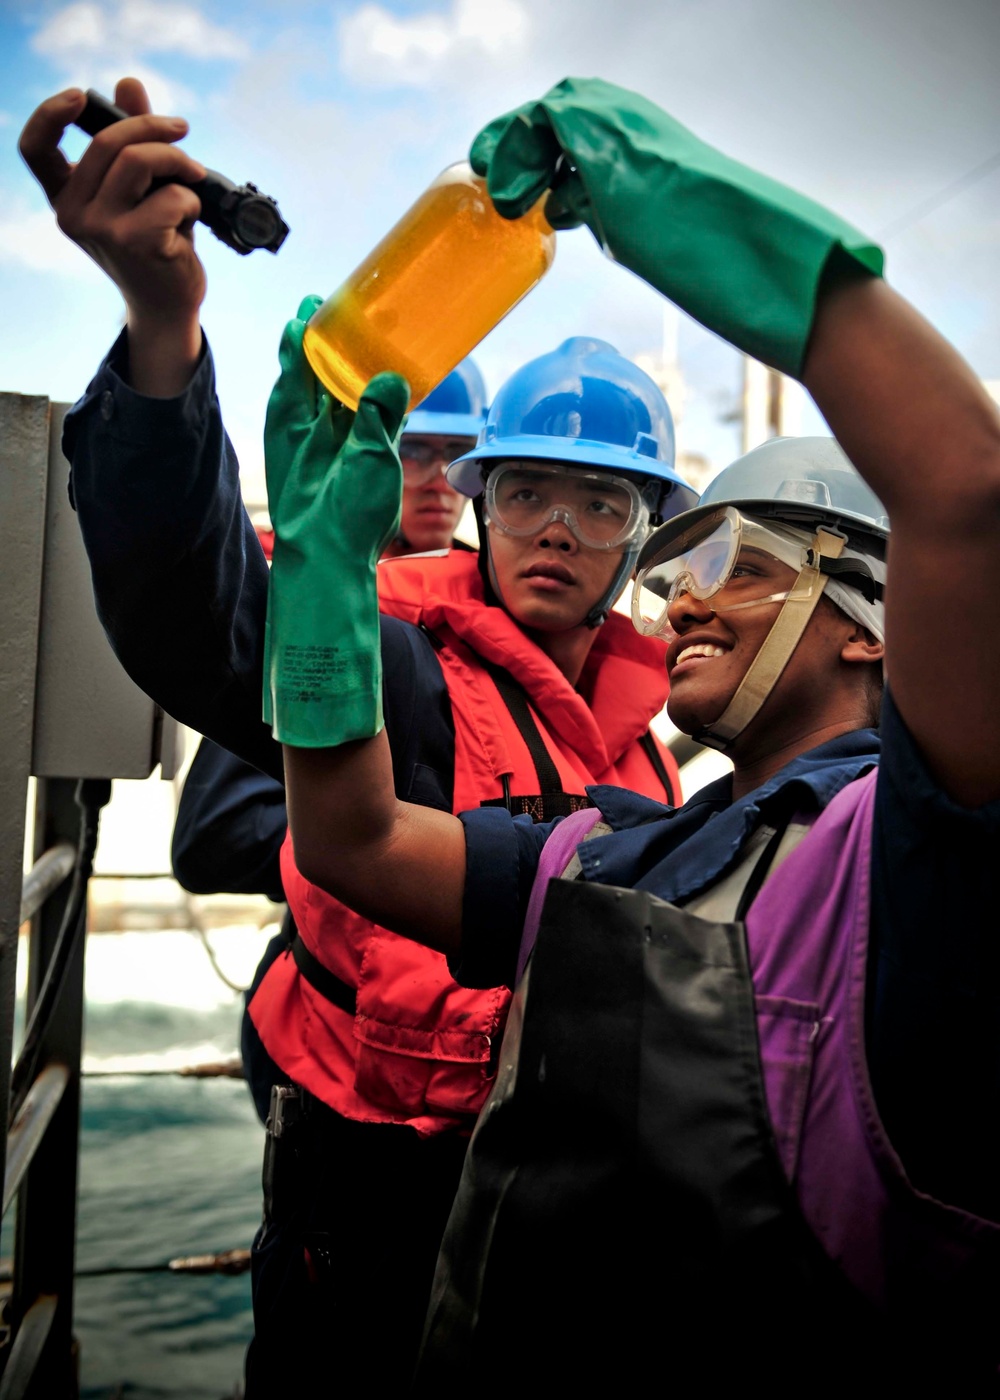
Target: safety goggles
{"type": "Point", "coordinates": [718, 558]}
{"type": "Point", "coordinates": [426, 458]}
{"type": "Point", "coordinates": [603, 512]}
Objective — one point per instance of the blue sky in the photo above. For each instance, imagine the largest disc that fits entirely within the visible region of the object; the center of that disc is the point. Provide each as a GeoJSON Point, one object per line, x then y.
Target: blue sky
{"type": "Point", "coordinates": [344, 111]}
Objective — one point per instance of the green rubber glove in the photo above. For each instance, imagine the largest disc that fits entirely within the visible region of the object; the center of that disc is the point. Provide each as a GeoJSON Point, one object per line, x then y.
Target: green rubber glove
{"type": "Point", "coordinates": [738, 251]}
{"type": "Point", "coordinates": [334, 486]}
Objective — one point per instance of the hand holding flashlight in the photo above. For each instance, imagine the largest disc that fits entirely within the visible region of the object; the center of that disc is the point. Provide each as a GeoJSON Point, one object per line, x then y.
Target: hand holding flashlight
{"type": "Point", "coordinates": [239, 215]}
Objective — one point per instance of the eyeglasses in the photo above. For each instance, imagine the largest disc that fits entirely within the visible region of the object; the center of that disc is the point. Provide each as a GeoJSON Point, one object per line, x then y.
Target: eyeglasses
{"type": "Point", "coordinates": [602, 511]}
{"type": "Point", "coordinates": [425, 458]}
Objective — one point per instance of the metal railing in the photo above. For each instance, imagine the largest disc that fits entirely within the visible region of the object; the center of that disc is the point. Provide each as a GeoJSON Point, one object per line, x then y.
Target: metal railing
{"type": "Point", "coordinates": [28, 1128]}
{"type": "Point", "coordinates": [42, 1142]}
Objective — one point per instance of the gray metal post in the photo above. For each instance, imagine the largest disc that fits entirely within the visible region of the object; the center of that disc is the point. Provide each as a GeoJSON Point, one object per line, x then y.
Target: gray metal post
{"type": "Point", "coordinates": [24, 470]}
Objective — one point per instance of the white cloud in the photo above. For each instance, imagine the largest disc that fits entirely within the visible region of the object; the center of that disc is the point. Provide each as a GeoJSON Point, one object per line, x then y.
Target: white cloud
{"type": "Point", "coordinates": [135, 26]}
{"type": "Point", "coordinates": [80, 27]}
{"type": "Point", "coordinates": [373, 34]}
{"type": "Point", "coordinates": [93, 43]}
{"type": "Point", "coordinates": [166, 28]}
{"type": "Point", "coordinates": [165, 95]}
{"type": "Point", "coordinates": [34, 241]}
{"type": "Point", "coordinates": [379, 49]}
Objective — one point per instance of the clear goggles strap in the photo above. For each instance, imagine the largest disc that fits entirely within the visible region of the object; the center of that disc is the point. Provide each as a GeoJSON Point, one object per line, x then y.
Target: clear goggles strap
{"type": "Point", "coordinates": [778, 646]}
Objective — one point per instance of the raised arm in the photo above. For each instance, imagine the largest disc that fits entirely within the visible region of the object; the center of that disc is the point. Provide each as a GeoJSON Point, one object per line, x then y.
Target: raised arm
{"type": "Point", "coordinates": [143, 241]}
{"type": "Point", "coordinates": [399, 864]}
{"type": "Point", "coordinates": [921, 429]}
{"type": "Point", "coordinates": [179, 576]}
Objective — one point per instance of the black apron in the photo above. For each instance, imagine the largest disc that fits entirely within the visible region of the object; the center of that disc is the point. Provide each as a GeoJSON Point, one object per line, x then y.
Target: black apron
{"type": "Point", "coordinates": [623, 1217]}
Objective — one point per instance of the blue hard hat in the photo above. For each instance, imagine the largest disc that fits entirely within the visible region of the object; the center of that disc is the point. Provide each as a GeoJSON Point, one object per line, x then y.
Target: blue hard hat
{"type": "Point", "coordinates": [586, 405]}
{"type": "Point", "coordinates": [456, 408]}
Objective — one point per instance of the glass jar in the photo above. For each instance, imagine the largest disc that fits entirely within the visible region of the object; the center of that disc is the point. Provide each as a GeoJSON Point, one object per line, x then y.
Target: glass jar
{"type": "Point", "coordinates": [438, 282]}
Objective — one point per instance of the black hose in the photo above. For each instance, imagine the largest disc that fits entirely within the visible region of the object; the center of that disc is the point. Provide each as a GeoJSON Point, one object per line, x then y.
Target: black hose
{"type": "Point", "coordinates": [229, 1263]}
{"type": "Point", "coordinates": [91, 795]}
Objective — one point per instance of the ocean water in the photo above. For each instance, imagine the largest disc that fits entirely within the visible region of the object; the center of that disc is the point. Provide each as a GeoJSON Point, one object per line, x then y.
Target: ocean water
{"type": "Point", "coordinates": [169, 1167]}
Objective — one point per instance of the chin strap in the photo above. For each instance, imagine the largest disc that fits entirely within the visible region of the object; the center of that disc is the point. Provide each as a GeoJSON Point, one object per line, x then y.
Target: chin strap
{"type": "Point", "coordinates": [778, 645]}
{"type": "Point", "coordinates": [599, 612]}
{"type": "Point", "coordinates": [491, 578]}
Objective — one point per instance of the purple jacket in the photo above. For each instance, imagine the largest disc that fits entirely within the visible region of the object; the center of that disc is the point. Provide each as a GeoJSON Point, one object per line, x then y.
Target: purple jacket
{"type": "Point", "coordinates": [807, 936]}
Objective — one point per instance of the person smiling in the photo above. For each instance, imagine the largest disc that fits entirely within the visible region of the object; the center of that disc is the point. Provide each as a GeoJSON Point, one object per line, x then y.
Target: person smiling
{"type": "Point", "coordinates": [729, 563]}
{"type": "Point", "coordinates": [745, 1116]}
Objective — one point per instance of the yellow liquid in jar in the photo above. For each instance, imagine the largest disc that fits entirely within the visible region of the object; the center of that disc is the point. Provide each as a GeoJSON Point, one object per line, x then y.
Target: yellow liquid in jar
{"type": "Point", "coordinates": [437, 283]}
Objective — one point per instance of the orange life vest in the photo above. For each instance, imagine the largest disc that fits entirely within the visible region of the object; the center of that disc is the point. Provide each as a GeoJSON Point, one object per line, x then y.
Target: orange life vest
{"type": "Point", "coordinates": [405, 1043]}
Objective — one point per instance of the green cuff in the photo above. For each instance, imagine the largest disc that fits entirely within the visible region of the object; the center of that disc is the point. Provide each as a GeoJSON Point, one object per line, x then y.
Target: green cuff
{"type": "Point", "coordinates": [740, 252]}
{"type": "Point", "coordinates": [325, 695]}
{"type": "Point", "coordinates": [323, 676]}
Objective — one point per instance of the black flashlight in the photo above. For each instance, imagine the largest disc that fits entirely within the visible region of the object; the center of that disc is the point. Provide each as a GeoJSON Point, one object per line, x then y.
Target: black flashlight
{"type": "Point", "coordinates": [239, 215]}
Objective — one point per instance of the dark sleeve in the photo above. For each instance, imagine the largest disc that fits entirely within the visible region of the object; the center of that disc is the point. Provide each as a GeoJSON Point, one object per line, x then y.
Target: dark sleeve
{"type": "Point", "coordinates": [934, 979]}
{"type": "Point", "coordinates": [418, 720]}
{"type": "Point", "coordinates": [180, 579]}
{"type": "Point", "coordinates": [231, 822]}
{"type": "Point", "coordinates": [500, 862]}
{"type": "Point", "coordinates": [179, 576]}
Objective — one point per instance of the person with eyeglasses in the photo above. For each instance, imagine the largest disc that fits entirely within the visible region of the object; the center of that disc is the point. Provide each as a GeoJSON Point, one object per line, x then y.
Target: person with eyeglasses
{"type": "Point", "coordinates": [442, 428]}
{"type": "Point", "coordinates": [431, 510]}
{"type": "Point", "coordinates": [499, 674]}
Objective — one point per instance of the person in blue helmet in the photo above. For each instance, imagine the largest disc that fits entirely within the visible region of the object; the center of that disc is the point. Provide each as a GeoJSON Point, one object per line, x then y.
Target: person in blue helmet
{"type": "Point", "coordinates": [438, 430]}
{"type": "Point", "coordinates": [519, 649]}
{"type": "Point", "coordinates": [499, 687]}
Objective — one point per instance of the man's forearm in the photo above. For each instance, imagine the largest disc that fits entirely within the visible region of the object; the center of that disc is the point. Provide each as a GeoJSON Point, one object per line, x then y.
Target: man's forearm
{"type": "Point", "coordinates": [162, 357]}
{"type": "Point", "coordinates": [904, 405]}
{"type": "Point", "coordinates": [401, 865]}
{"type": "Point", "coordinates": [916, 422]}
